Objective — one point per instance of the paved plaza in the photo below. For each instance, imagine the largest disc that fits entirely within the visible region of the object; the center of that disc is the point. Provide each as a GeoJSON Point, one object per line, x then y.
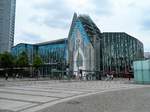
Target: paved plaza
{"type": "Point", "coordinates": [32, 96]}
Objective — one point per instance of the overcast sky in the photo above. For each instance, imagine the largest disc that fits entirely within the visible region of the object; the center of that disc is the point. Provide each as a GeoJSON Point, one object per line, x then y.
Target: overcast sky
{"type": "Point", "coordinates": [45, 20]}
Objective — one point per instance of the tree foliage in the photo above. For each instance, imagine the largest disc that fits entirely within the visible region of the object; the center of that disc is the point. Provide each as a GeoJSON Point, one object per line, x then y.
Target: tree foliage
{"type": "Point", "coordinates": [6, 60]}
{"type": "Point", "coordinates": [37, 61]}
{"type": "Point", "coordinates": [22, 60]}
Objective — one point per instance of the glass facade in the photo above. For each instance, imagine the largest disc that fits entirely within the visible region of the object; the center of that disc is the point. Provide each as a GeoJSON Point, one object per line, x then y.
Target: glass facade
{"type": "Point", "coordinates": [28, 48]}
{"type": "Point", "coordinates": [53, 52]}
{"type": "Point", "coordinates": [119, 51]}
{"type": "Point", "coordinates": [50, 52]}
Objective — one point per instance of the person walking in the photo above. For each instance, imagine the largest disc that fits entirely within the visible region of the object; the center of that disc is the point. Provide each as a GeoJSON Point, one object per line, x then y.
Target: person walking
{"type": "Point", "coordinates": [81, 76]}
{"type": "Point", "coordinates": [14, 76]}
{"type": "Point", "coordinates": [111, 76]}
{"type": "Point", "coordinates": [6, 76]}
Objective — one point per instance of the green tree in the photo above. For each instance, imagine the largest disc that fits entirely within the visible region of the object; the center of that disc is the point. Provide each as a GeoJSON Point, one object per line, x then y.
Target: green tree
{"type": "Point", "coordinates": [6, 60]}
{"type": "Point", "coordinates": [37, 61]}
{"type": "Point", "coordinates": [22, 60]}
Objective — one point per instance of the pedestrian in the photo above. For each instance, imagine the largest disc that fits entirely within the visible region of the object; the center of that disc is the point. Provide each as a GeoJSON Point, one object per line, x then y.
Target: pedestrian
{"type": "Point", "coordinates": [14, 76]}
{"type": "Point", "coordinates": [81, 76]}
{"type": "Point", "coordinates": [17, 76]}
{"type": "Point", "coordinates": [6, 76]}
{"type": "Point", "coordinates": [111, 76]}
{"type": "Point", "coordinates": [129, 77]}
{"type": "Point", "coordinates": [107, 77]}
{"type": "Point", "coordinates": [37, 74]}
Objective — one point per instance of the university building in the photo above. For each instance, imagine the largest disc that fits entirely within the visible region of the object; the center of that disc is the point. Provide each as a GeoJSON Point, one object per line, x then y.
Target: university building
{"type": "Point", "coordinates": [87, 49]}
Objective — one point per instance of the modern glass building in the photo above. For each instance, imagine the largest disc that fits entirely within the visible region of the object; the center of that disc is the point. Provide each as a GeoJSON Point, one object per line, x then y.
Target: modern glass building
{"type": "Point", "coordinates": [7, 23]}
{"type": "Point", "coordinates": [87, 49]}
{"type": "Point", "coordinates": [52, 53]}
{"type": "Point", "coordinates": [119, 51]}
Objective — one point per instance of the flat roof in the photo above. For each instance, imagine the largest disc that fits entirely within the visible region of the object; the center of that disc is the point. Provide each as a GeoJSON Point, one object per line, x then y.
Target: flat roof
{"type": "Point", "coordinates": [45, 43]}
{"type": "Point", "coordinates": [52, 42]}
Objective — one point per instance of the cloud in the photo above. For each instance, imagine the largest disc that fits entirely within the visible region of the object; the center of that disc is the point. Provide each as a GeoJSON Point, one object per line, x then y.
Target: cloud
{"type": "Point", "coordinates": [145, 25]}
{"type": "Point", "coordinates": [52, 5]}
{"type": "Point", "coordinates": [54, 14]}
{"type": "Point", "coordinates": [30, 37]}
{"type": "Point", "coordinates": [102, 7]}
{"type": "Point", "coordinates": [56, 23]}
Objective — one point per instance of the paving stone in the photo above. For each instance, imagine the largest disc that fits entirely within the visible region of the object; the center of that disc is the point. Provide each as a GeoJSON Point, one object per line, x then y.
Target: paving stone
{"type": "Point", "coordinates": [46, 89]}
{"type": "Point", "coordinates": [14, 105]}
{"type": "Point", "coordinates": [28, 98]}
{"type": "Point", "coordinates": [38, 93]}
